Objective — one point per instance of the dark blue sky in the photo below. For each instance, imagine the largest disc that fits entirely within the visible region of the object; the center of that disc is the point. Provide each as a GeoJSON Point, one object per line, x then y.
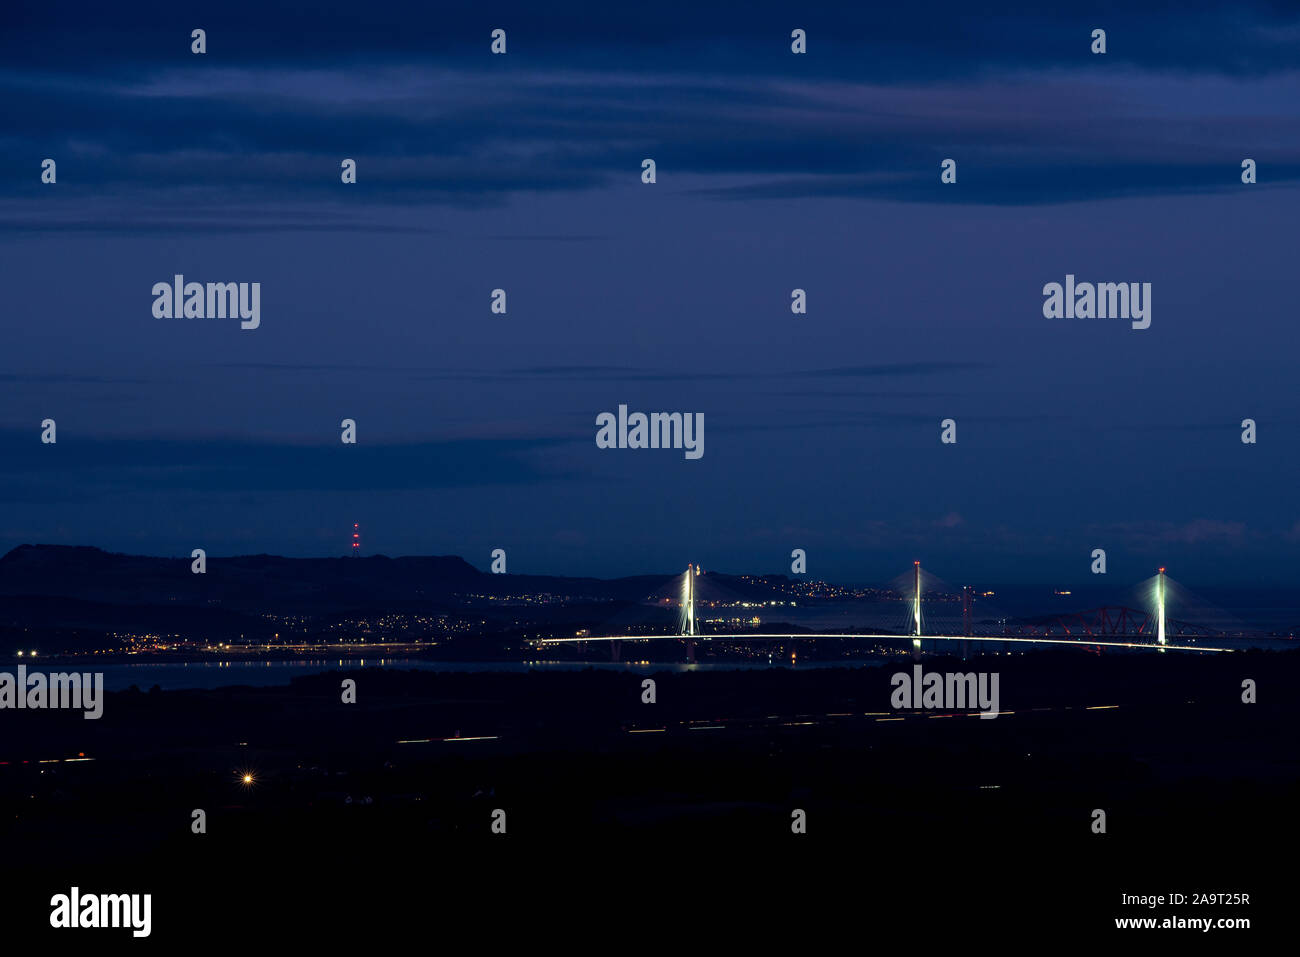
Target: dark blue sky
{"type": "Point", "coordinates": [775, 171]}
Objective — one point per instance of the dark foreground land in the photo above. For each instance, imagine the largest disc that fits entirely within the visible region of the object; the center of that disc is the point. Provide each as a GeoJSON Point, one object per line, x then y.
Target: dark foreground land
{"type": "Point", "coordinates": [363, 819]}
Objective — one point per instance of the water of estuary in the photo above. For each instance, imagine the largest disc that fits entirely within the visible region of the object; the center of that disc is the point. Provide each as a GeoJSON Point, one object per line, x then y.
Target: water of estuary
{"type": "Point", "coordinates": [174, 676]}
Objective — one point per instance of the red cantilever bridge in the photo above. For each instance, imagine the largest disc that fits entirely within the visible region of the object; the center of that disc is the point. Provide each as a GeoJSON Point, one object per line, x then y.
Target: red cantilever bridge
{"type": "Point", "coordinates": [1108, 621]}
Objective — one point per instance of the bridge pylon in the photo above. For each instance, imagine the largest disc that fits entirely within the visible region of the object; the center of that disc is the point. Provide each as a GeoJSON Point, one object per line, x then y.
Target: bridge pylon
{"type": "Point", "coordinates": [1160, 608]}
{"type": "Point", "coordinates": [916, 612]}
{"type": "Point", "coordinates": [688, 605]}
{"type": "Point", "coordinates": [966, 591]}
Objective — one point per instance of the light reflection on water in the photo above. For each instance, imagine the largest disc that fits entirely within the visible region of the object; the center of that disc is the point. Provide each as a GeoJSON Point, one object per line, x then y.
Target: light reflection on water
{"type": "Point", "coordinates": [174, 675]}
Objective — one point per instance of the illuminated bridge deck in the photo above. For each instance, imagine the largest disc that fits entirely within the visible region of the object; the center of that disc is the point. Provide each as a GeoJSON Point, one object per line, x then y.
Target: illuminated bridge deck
{"type": "Point", "coordinates": [787, 636]}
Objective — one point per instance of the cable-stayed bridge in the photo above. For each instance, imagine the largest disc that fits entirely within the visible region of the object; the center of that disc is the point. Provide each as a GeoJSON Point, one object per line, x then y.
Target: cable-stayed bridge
{"type": "Point", "coordinates": [1112, 626]}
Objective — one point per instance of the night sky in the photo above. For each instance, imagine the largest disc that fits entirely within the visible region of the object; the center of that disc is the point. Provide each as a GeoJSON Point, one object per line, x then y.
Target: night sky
{"type": "Point", "coordinates": [775, 171]}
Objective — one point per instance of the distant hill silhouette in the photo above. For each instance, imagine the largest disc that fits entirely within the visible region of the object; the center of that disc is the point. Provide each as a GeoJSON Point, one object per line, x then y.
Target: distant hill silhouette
{"type": "Point", "coordinates": [74, 591]}
{"type": "Point", "coordinates": [272, 583]}
{"type": "Point", "coordinates": [243, 583]}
